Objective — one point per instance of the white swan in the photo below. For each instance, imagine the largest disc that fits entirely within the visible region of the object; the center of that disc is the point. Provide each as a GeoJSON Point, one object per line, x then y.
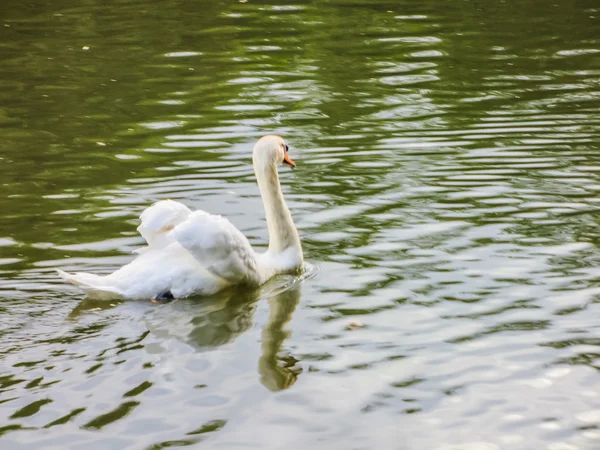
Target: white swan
{"type": "Point", "coordinates": [197, 253]}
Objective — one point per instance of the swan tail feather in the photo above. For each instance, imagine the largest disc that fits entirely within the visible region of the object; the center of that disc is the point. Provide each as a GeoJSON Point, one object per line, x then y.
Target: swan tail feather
{"type": "Point", "coordinates": [93, 285]}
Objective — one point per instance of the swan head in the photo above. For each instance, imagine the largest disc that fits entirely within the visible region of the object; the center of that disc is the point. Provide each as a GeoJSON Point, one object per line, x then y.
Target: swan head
{"type": "Point", "coordinates": [271, 150]}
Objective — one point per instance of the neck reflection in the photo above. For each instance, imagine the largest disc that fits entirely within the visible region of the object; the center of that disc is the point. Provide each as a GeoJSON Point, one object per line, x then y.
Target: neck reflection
{"type": "Point", "coordinates": [278, 371]}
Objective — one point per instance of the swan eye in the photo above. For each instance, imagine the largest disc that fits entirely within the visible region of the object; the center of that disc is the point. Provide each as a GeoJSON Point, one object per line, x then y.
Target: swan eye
{"type": "Point", "coordinates": [285, 146]}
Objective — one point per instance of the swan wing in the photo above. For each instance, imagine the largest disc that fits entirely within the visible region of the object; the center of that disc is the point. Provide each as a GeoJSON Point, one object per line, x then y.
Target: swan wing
{"type": "Point", "coordinates": [158, 220]}
{"type": "Point", "coordinates": [218, 246]}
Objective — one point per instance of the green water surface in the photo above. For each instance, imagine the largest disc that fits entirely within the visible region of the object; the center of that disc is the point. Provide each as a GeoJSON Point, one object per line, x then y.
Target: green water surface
{"type": "Point", "coordinates": [447, 196]}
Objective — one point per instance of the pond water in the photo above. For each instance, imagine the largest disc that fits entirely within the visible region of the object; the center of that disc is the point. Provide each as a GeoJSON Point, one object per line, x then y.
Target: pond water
{"type": "Point", "coordinates": [446, 194]}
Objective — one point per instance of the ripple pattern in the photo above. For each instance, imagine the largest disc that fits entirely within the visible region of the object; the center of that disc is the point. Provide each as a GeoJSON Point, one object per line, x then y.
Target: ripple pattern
{"type": "Point", "coordinates": [446, 196]}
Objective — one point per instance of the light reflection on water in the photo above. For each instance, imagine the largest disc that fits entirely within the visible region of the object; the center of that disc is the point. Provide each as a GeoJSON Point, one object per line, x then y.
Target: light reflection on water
{"type": "Point", "coordinates": [446, 197]}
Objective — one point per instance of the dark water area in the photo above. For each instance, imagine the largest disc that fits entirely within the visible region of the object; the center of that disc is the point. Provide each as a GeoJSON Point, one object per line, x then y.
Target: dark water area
{"type": "Point", "coordinates": [446, 195]}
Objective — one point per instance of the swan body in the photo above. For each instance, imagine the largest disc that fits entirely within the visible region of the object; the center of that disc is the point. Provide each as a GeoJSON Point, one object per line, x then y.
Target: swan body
{"type": "Point", "coordinates": [198, 253]}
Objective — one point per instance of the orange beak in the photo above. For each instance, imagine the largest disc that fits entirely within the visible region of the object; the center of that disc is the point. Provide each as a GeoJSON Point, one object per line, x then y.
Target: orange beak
{"type": "Point", "coordinates": [288, 160]}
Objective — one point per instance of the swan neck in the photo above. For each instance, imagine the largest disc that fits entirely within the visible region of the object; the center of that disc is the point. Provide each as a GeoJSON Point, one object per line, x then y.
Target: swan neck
{"type": "Point", "coordinates": [282, 231]}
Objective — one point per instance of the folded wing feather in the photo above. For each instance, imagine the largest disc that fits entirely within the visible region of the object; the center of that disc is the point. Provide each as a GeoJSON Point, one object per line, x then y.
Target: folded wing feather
{"type": "Point", "coordinates": [211, 239]}
{"type": "Point", "coordinates": [218, 245]}
{"type": "Point", "coordinates": [159, 220]}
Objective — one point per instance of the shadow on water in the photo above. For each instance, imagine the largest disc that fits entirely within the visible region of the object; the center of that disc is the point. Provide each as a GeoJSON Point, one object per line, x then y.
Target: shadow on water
{"type": "Point", "coordinates": [206, 323]}
{"type": "Point", "coordinates": [87, 305]}
{"type": "Point", "coordinates": [278, 371]}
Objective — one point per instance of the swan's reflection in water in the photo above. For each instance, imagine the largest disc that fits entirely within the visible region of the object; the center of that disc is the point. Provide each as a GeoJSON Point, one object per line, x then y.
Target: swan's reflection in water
{"type": "Point", "coordinates": [278, 372]}
{"type": "Point", "coordinates": [90, 305]}
{"type": "Point", "coordinates": [214, 321]}
{"type": "Point", "coordinates": [209, 322]}
{"type": "Point", "coordinates": [205, 322]}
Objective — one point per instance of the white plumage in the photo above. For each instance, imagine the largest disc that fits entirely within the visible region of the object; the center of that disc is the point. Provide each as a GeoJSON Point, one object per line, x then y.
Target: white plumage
{"type": "Point", "coordinates": [159, 219]}
{"type": "Point", "coordinates": [198, 253]}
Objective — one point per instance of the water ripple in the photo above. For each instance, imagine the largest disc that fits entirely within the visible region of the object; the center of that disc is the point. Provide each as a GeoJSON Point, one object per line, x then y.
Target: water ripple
{"type": "Point", "coordinates": [446, 191]}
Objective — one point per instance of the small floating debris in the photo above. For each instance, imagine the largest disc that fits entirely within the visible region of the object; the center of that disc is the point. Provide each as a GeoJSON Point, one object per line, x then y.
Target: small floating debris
{"type": "Point", "coordinates": [85, 47]}
{"type": "Point", "coordinates": [354, 324]}
{"type": "Point", "coordinates": [101, 144]}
